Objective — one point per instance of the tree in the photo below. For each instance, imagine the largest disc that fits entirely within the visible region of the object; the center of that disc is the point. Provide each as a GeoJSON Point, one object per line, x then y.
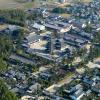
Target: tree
{"type": "Point", "coordinates": [5, 45]}
{"type": "Point", "coordinates": [58, 10]}
{"type": "Point", "coordinates": [14, 16]}
{"type": "Point", "coordinates": [94, 53]}
{"type": "Point", "coordinates": [96, 38]}
{"type": "Point", "coordinates": [5, 50]}
{"type": "Point", "coordinates": [18, 35]}
{"type": "Point", "coordinates": [5, 94]}
{"type": "Point", "coordinates": [3, 65]}
{"type": "Point", "coordinates": [88, 28]}
{"type": "Point", "coordinates": [68, 60]}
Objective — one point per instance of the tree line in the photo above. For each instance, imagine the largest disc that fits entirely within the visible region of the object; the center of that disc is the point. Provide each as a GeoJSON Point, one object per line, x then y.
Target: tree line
{"type": "Point", "coordinates": [13, 16]}
{"type": "Point", "coordinates": [6, 47]}
{"type": "Point", "coordinates": [5, 50]}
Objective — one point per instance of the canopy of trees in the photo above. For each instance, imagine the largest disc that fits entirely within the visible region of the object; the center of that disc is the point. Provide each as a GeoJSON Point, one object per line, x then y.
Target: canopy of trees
{"type": "Point", "coordinates": [18, 35]}
{"type": "Point", "coordinates": [97, 38]}
{"type": "Point", "coordinates": [5, 49]}
{"type": "Point", "coordinates": [5, 45]}
{"type": "Point", "coordinates": [5, 94]}
{"type": "Point", "coordinates": [14, 16]}
{"type": "Point", "coordinates": [58, 10]}
{"type": "Point", "coordinates": [94, 53]}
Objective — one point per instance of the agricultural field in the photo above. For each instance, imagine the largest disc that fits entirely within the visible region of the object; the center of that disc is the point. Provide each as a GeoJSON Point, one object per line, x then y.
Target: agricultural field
{"type": "Point", "coordinates": [9, 4]}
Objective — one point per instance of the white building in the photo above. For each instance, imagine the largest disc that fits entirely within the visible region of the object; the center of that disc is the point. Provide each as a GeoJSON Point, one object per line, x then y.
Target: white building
{"type": "Point", "coordinates": [27, 97]}
{"type": "Point", "coordinates": [38, 26]}
{"type": "Point", "coordinates": [77, 95]}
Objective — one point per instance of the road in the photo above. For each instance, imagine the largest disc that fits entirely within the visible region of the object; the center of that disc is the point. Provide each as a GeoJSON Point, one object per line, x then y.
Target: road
{"type": "Point", "coordinates": [66, 80]}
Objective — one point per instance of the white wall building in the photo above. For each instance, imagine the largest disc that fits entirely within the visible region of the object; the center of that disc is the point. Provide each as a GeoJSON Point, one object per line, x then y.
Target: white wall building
{"type": "Point", "coordinates": [38, 26]}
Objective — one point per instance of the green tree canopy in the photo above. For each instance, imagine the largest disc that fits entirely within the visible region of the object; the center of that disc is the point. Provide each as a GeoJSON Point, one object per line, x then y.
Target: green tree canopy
{"type": "Point", "coordinates": [15, 16]}
{"type": "Point", "coordinates": [58, 10]}
{"type": "Point", "coordinates": [5, 94]}
{"type": "Point", "coordinates": [5, 50]}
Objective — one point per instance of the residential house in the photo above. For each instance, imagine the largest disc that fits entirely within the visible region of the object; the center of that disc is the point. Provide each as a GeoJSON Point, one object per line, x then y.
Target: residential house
{"type": "Point", "coordinates": [27, 97]}
{"type": "Point", "coordinates": [34, 88]}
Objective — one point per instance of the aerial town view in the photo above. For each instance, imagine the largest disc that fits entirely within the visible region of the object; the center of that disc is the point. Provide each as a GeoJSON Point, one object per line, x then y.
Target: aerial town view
{"type": "Point", "coordinates": [49, 49]}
